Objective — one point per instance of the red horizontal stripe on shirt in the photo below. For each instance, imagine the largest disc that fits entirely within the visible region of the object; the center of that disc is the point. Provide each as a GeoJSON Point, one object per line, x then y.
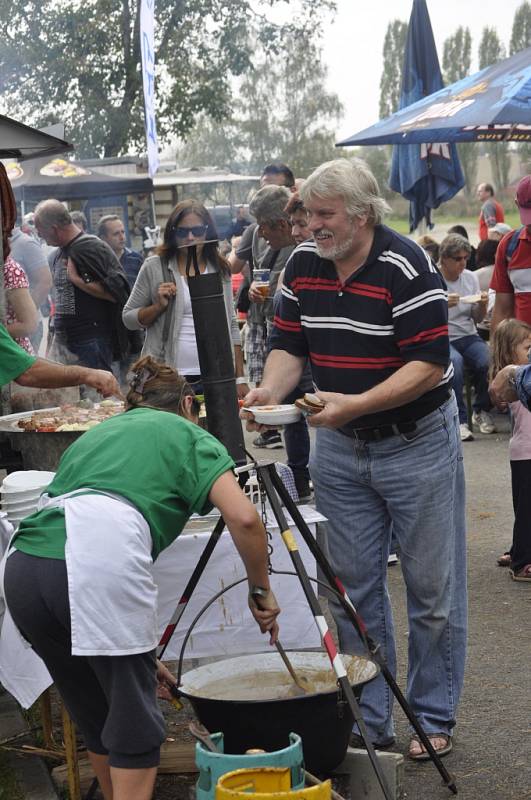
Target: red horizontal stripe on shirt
{"type": "Point", "coordinates": [351, 362]}
{"type": "Point", "coordinates": [315, 283]}
{"type": "Point", "coordinates": [425, 336]}
{"type": "Point", "coordinates": [284, 325]}
{"type": "Point", "coordinates": [327, 285]}
{"type": "Point", "coordinates": [364, 289]}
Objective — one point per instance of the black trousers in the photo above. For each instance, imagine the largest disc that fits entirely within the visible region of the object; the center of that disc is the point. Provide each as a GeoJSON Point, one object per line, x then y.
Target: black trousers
{"type": "Point", "coordinates": [521, 486]}
{"type": "Point", "coordinates": [112, 699]}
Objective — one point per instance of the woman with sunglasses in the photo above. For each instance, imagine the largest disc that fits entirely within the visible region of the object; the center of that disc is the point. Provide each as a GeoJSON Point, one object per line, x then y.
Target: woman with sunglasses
{"type": "Point", "coordinates": [78, 578]}
{"type": "Point", "coordinates": [160, 299]}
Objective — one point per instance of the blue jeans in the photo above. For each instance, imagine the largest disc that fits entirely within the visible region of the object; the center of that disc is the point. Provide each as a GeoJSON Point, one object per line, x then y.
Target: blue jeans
{"type": "Point", "coordinates": [95, 353]}
{"type": "Point", "coordinates": [414, 485]}
{"type": "Point", "coordinates": [473, 353]}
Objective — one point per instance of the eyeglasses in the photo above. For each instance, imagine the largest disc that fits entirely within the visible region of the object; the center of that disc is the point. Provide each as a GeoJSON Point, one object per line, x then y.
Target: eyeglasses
{"type": "Point", "coordinates": [183, 231]}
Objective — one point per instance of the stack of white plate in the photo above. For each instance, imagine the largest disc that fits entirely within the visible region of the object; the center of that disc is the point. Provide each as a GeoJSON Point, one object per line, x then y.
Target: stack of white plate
{"type": "Point", "coordinates": [20, 493]}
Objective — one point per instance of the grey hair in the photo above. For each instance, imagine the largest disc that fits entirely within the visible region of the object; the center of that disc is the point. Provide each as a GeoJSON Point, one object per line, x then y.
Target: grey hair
{"type": "Point", "coordinates": [269, 203]}
{"type": "Point", "coordinates": [79, 219]}
{"type": "Point", "coordinates": [453, 244]}
{"type": "Point", "coordinates": [352, 180]}
{"type": "Point", "coordinates": [53, 212]}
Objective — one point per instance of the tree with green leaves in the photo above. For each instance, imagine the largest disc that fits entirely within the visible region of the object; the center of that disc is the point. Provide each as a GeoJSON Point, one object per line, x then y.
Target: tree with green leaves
{"type": "Point", "coordinates": [62, 60]}
{"type": "Point", "coordinates": [521, 31]}
{"type": "Point", "coordinates": [393, 60]}
{"type": "Point", "coordinates": [284, 112]}
{"type": "Point", "coordinates": [457, 55]}
{"type": "Point", "coordinates": [491, 50]}
{"type": "Point", "coordinates": [520, 40]}
{"type": "Point", "coordinates": [457, 58]}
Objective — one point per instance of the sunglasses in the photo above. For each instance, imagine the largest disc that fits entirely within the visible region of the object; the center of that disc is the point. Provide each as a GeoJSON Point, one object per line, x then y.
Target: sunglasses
{"type": "Point", "coordinates": [183, 231]}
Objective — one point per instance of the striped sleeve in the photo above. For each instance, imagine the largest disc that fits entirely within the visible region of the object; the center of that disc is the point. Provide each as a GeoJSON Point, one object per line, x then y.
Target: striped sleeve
{"type": "Point", "coordinates": [287, 331]}
{"type": "Point", "coordinates": [420, 317]}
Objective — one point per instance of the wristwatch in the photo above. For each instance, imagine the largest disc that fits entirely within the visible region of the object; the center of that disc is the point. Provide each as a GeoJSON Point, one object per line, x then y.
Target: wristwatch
{"type": "Point", "coordinates": [258, 591]}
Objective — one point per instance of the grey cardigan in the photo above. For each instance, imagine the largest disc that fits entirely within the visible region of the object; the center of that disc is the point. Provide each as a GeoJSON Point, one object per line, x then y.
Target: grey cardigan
{"type": "Point", "coordinates": [145, 293]}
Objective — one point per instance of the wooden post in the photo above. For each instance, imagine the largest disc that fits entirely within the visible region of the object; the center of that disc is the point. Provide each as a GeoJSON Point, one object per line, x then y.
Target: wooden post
{"type": "Point", "coordinates": [45, 706]}
{"type": "Point", "coordinates": [72, 766]}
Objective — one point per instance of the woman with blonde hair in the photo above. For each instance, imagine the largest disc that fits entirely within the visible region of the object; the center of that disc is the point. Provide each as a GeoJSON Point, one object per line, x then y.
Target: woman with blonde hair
{"type": "Point", "coordinates": [160, 299]}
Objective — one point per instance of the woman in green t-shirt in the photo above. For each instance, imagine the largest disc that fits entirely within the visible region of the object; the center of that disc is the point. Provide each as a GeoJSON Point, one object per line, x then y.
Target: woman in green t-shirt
{"type": "Point", "coordinates": [79, 585]}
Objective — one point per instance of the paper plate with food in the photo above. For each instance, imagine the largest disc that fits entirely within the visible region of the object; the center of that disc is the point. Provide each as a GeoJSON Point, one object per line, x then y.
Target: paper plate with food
{"type": "Point", "coordinates": [470, 298]}
{"type": "Point", "coordinates": [274, 414]}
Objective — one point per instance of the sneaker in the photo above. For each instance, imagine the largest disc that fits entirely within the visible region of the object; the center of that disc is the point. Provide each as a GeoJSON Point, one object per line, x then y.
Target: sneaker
{"type": "Point", "coordinates": [302, 484]}
{"type": "Point", "coordinates": [484, 421]}
{"type": "Point", "coordinates": [466, 433]}
{"type": "Point", "coordinates": [270, 440]}
{"type": "Point", "coordinates": [392, 559]}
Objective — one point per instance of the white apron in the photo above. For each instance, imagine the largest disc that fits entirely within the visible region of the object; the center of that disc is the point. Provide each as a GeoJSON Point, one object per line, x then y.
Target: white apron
{"type": "Point", "coordinates": [112, 595]}
{"type": "Point", "coordinates": [22, 672]}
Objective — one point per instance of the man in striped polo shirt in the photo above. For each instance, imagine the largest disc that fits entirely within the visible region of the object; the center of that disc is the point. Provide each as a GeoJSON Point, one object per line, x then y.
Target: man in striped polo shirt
{"type": "Point", "coordinates": [369, 310]}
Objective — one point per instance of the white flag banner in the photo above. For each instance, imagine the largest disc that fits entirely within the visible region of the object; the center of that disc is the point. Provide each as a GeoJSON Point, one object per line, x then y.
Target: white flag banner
{"type": "Point", "coordinates": [147, 47]}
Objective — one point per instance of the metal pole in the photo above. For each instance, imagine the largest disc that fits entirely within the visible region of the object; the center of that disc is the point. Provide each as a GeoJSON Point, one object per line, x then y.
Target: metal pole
{"type": "Point", "coordinates": [190, 587]}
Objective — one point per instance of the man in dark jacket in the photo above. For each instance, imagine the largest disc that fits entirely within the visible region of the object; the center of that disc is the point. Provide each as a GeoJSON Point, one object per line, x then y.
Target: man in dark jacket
{"type": "Point", "coordinates": [91, 289]}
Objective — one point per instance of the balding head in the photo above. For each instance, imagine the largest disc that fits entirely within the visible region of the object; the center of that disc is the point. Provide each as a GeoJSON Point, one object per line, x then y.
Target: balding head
{"type": "Point", "coordinates": [54, 223]}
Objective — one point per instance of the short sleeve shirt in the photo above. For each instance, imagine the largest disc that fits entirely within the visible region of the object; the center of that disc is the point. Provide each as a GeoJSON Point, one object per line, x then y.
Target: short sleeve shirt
{"type": "Point", "coordinates": [77, 313]}
{"type": "Point", "coordinates": [13, 359]}
{"type": "Point", "coordinates": [514, 277]}
{"type": "Point", "coordinates": [491, 213]}
{"type": "Point", "coordinates": [161, 463]}
{"type": "Point", "coordinates": [16, 278]}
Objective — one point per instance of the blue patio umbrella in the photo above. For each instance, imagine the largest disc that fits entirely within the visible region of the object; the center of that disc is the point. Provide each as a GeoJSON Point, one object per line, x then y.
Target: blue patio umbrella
{"type": "Point", "coordinates": [427, 175]}
{"type": "Point", "coordinates": [490, 106]}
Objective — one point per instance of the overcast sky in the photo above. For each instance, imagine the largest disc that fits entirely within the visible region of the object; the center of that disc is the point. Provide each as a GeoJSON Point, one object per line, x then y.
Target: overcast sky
{"type": "Point", "coordinates": [353, 44]}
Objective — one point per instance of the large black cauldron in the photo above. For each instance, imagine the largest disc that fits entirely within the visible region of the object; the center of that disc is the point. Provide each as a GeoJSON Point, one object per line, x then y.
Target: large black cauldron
{"type": "Point", "coordinates": [323, 720]}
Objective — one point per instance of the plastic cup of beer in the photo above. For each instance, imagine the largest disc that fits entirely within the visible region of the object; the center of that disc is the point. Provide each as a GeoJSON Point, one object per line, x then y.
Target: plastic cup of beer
{"type": "Point", "coordinates": [261, 278]}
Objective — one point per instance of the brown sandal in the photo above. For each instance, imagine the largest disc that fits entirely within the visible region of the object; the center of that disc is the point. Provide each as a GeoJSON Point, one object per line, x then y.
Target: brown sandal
{"type": "Point", "coordinates": [423, 755]}
{"type": "Point", "coordinates": [523, 574]}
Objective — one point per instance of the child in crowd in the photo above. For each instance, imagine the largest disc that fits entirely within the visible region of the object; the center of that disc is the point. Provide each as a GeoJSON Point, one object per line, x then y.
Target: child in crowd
{"type": "Point", "coordinates": [510, 345]}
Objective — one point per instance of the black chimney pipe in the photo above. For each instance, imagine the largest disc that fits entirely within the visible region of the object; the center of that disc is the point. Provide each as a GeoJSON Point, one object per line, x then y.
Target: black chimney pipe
{"type": "Point", "coordinates": [214, 348]}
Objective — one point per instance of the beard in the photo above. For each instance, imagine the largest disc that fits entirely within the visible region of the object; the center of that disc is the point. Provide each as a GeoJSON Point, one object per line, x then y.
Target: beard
{"type": "Point", "coordinates": [338, 250]}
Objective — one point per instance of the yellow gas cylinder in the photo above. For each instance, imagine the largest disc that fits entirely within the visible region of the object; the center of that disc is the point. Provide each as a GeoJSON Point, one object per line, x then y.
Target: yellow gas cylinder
{"type": "Point", "coordinates": [267, 783]}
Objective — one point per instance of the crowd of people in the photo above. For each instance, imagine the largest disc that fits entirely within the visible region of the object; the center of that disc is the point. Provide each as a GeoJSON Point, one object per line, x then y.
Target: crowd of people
{"type": "Point", "coordinates": [387, 331]}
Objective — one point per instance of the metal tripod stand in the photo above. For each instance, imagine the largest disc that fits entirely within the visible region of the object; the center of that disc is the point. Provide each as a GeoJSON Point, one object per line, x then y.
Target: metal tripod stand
{"type": "Point", "coordinates": [278, 496]}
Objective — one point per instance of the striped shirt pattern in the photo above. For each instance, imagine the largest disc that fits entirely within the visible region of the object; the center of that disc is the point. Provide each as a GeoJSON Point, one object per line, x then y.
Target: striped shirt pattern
{"type": "Point", "coordinates": [391, 311]}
